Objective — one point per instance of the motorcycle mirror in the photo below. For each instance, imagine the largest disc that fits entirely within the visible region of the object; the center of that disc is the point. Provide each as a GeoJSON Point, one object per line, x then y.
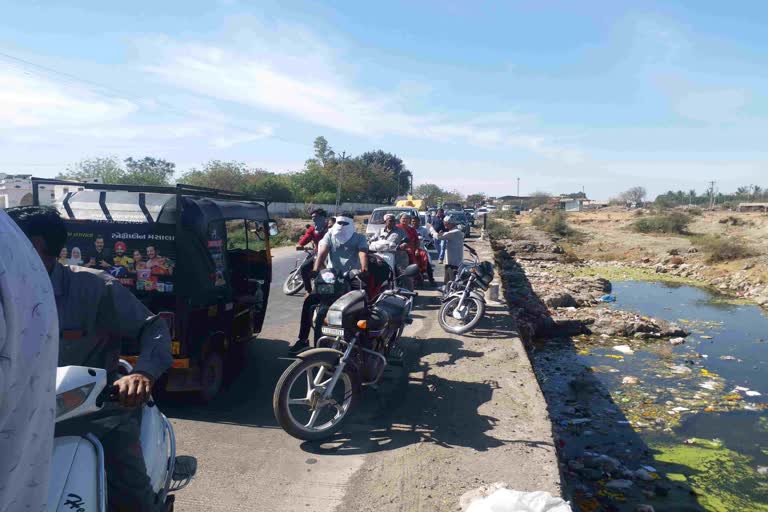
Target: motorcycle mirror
{"type": "Point", "coordinates": [273, 229]}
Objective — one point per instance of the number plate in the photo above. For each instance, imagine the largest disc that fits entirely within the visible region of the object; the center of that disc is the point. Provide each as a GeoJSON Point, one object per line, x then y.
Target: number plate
{"type": "Point", "coordinates": [333, 331]}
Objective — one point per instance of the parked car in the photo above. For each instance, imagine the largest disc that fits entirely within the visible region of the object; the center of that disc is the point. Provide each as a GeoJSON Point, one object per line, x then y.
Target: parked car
{"type": "Point", "coordinates": [481, 211]}
{"type": "Point", "coordinates": [460, 218]}
{"type": "Point", "coordinates": [470, 215]}
{"type": "Point", "coordinates": [376, 221]}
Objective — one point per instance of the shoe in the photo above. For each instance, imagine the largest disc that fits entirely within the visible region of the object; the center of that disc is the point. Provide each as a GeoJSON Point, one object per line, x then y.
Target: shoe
{"type": "Point", "coordinates": [299, 346]}
{"type": "Point", "coordinates": [440, 261]}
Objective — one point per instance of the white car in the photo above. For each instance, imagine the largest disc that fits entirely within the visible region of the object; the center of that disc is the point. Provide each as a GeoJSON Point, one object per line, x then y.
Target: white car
{"type": "Point", "coordinates": [481, 211]}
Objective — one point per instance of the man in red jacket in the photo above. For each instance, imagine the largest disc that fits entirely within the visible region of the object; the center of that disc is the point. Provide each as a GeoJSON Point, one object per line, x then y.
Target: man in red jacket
{"type": "Point", "coordinates": [314, 233]}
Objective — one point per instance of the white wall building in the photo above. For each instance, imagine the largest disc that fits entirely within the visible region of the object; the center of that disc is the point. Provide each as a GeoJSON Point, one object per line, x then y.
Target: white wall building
{"type": "Point", "coordinates": [15, 190]}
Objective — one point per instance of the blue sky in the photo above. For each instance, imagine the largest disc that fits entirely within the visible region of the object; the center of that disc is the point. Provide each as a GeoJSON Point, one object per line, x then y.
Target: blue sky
{"type": "Point", "coordinates": [565, 95]}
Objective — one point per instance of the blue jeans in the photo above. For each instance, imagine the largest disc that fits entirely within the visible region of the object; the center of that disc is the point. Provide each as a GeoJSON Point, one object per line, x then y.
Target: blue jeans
{"type": "Point", "coordinates": [441, 254]}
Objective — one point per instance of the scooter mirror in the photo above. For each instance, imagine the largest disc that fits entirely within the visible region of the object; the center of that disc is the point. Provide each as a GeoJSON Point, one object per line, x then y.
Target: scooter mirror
{"type": "Point", "coordinates": [273, 230]}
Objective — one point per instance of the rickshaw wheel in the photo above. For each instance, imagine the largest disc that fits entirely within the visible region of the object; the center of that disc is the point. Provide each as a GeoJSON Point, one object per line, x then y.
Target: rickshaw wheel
{"type": "Point", "coordinates": [211, 376]}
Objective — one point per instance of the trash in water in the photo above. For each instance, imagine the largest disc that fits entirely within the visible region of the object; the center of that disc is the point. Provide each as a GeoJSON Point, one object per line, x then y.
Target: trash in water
{"type": "Point", "coordinates": [614, 356]}
{"type": "Point", "coordinates": [677, 341]}
{"type": "Point", "coordinates": [729, 358]}
{"type": "Point", "coordinates": [607, 298]}
{"type": "Point", "coordinates": [710, 384]}
{"type": "Point", "coordinates": [753, 393]}
{"type": "Point", "coordinates": [679, 368]}
{"type": "Point", "coordinates": [705, 337]}
{"type": "Point", "coordinates": [630, 380]}
{"type": "Point", "coordinates": [624, 349]}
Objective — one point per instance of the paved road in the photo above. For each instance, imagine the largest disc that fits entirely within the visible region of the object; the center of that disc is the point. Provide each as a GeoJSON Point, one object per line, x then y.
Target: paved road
{"type": "Point", "coordinates": [246, 462]}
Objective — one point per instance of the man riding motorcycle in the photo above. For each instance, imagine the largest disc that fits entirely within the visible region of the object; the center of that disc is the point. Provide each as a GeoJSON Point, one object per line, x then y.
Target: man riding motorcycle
{"type": "Point", "coordinates": [95, 311]}
{"type": "Point", "coordinates": [314, 234]}
{"type": "Point", "coordinates": [345, 250]}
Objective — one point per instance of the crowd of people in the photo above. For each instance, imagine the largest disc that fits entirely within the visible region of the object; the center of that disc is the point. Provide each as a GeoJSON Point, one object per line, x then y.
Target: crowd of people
{"type": "Point", "coordinates": [99, 257]}
{"type": "Point", "coordinates": [340, 247]}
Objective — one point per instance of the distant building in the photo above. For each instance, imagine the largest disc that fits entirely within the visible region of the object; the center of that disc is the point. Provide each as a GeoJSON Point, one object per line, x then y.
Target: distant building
{"type": "Point", "coordinates": [15, 190]}
{"type": "Point", "coordinates": [572, 205]}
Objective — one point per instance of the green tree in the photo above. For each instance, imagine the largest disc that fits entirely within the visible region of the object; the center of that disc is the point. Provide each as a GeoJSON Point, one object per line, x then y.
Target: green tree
{"type": "Point", "coordinates": [476, 199]}
{"type": "Point", "coordinates": [148, 171]}
{"type": "Point", "coordinates": [106, 169]}
{"type": "Point", "coordinates": [231, 176]}
{"type": "Point", "coordinates": [429, 192]}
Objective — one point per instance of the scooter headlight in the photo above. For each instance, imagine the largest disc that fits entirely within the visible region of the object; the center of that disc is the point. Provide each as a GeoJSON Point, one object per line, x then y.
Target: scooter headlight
{"type": "Point", "coordinates": [72, 399]}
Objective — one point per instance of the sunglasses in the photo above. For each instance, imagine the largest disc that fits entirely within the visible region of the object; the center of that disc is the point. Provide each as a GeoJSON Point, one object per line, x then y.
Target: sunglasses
{"type": "Point", "coordinates": [342, 223]}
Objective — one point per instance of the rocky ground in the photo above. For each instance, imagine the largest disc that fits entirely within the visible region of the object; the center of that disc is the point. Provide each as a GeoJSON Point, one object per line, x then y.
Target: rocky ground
{"type": "Point", "coordinates": [610, 242]}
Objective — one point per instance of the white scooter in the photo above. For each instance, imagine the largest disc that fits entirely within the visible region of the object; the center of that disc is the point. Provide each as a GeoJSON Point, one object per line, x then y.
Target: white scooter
{"type": "Point", "coordinates": [78, 477]}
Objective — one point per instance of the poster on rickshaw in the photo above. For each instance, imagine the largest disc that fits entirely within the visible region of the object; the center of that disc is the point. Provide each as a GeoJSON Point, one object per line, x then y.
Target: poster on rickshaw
{"type": "Point", "coordinates": [141, 256]}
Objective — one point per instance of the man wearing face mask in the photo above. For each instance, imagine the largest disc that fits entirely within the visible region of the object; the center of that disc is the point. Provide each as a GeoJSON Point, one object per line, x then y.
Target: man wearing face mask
{"type": "Point", "coordinates": [345, 250]}
{"type": "Point", "coordinates": [314, 234]}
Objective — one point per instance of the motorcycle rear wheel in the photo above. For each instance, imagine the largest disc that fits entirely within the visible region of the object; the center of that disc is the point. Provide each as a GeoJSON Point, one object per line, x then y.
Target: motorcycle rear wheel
{"type": "Point", "coordinates": [293, 283]}
{"type": "Point", "coordinates": [476, 310]}
{"type": "Point", "coordinates": [305, 373]}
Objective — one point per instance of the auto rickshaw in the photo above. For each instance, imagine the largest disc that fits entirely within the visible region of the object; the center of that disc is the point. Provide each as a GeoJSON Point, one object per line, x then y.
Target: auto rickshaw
{"type": "Point", "coordinates": [197, 257]}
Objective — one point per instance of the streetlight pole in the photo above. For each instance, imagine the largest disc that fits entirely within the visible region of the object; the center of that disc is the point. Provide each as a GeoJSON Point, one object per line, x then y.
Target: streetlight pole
{"type": "Point", "coordinates": [520, 199]}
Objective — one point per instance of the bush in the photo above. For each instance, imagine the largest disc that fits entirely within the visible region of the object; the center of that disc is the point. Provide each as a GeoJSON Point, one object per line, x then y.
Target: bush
{"type": "Point", "coordinates": [554, 223]}
{"type": "Point", "coordinates": [673, 223]}
{"type": "Point", "coordinates": [723, 249]}
{"type": "Point", "coordinates": [498, 230]}
{"type": "Point", "coordinates": [696, 212]}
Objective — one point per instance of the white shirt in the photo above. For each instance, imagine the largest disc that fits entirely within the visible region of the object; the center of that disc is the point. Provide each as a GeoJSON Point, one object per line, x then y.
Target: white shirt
{"type": "Point", "coordinates": [29, 348]}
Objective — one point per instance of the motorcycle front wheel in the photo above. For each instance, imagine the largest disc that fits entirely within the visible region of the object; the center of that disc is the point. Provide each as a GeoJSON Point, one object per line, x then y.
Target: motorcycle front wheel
{"type": "Point", "coordinates": [293, 283]}
{"type": "Point", "coordinates": [469, 318]}
{"type": "Point", "coordinates": [298, 402]}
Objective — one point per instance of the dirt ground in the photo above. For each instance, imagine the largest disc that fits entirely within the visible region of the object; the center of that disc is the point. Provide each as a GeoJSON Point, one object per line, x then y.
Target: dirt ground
{"type": "Point", "coordinates": [474, 415]}
{"type": "Point", "coordinates": [609, 238]}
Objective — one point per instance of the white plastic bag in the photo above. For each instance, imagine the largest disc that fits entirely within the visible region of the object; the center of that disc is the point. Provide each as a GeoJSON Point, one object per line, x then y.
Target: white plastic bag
{"type": "Point", "coordinates": [497, 498]}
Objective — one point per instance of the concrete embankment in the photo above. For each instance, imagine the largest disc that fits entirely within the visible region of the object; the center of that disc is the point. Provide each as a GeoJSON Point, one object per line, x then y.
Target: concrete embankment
{"type": "Point", "coordinates": [467, 411]}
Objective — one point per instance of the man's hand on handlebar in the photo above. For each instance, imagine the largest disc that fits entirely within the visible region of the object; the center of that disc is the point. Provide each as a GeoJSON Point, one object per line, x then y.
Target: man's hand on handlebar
{"type": "Point", "coordinates": [133, 390]}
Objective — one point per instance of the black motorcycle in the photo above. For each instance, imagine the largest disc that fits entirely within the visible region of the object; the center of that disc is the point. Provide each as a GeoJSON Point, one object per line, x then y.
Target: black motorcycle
{"type": "Point", "coordinates": [316, 393]}
{"type": "Point", "coordinates": [463, 299]}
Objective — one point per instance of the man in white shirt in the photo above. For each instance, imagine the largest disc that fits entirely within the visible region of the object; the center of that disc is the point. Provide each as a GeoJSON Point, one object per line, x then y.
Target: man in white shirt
{"type": "Point", "coordinates": [29, 348]}
{"type": "Point", "coordinates": [454, 246]}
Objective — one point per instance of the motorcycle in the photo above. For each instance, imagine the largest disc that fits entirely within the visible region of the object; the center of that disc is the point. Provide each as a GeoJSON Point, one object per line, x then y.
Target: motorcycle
{"type": "Point", "coordinates": [294, 283]}
{"type": "Point", "coordinates": [463, 302]}
{"type": "Point", "coordinates": [78, 477]}
{"type": "Point", "coordinates": [316, 393]}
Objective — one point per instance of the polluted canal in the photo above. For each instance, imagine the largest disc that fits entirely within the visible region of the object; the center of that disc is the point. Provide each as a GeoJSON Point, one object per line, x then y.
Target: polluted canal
{"type": "Point", "coordinates": [663, 424]}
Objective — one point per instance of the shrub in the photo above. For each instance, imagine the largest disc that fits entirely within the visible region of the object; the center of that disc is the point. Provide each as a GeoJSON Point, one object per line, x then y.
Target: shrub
{"type": "Point", "coordinates": [555, 223]}
{"type": "Point", "coordinates": [498, 230]}
{"type": "Point", "coordinates": [674, 223]}
{"type": "Point", "coordinates": [696, 212]}
{"type": "Point", "coordinates": [723, 249]}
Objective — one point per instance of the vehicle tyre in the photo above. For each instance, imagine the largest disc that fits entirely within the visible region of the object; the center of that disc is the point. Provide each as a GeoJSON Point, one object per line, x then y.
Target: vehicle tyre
{"type": "Point", "coordinates": [293, 283]}
{"type": "Point", "coordinates": [449, 324]}
{"type": "Point", "coordinates": [286, 404]}
{"type": "Point", "coordinates": [211, 376]}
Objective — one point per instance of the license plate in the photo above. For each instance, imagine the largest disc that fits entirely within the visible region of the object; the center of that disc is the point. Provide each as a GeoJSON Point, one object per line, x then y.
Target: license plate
{"type": "Point", "coordinates": [333, 331]}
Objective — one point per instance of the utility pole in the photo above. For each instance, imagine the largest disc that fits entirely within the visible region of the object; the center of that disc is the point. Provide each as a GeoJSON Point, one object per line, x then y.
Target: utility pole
{"type": "Point", "coordinates": [711, 195]}
{"type": "Point", "coordinates": [519, 199]}
{"type": "Point", "coordinates": [338, 181]}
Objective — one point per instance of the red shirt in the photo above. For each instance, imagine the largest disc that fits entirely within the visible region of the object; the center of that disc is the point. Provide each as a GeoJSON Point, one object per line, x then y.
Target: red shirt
{"type": "Point", "coordinates": [413, 236]}
{"type": "Point", "coordinates": [311, 236]}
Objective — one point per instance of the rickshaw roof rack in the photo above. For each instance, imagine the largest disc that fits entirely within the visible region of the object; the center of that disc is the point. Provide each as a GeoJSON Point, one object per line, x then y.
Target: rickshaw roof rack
{"type": "Point", "coordinates": [179, 189]}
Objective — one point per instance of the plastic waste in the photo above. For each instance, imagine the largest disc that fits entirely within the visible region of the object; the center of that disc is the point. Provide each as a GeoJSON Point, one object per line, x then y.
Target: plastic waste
{"type": "Point", "coordinates": [497, 498]}
{"type": "Point", "coordinates": [607, 298]}
{"type": "Point", "coordinates": [624, 349]}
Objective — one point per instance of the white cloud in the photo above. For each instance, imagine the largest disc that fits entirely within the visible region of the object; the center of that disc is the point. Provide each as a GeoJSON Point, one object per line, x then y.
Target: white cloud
{"type": "Point", "coordinates": [303, 79]}
{"type": "Point", "coordinates": [30, 101]}
{"type": "Point", "coordinates": [235, 139]}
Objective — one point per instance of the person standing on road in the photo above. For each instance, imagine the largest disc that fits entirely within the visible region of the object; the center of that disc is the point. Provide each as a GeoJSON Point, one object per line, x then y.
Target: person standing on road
{"type": "Point", "coordinates": [439, 225]}
{"type": "Point", "coordinates": [29, 347]}
{"type": "Point", "coordinates": [95, 312]}
{"type": "Point", "coordinates": [314, 234]}
{"type": "Point", "coordinates": [345, 250]}
{"type": "Point", "coordinates": [453, 237]}
{"type": "Point", "coordinates": [422, 255]}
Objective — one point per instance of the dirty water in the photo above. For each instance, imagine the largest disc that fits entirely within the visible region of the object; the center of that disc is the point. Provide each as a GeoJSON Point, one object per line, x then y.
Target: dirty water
{"type": "Point", "coordinates": [694, 411]}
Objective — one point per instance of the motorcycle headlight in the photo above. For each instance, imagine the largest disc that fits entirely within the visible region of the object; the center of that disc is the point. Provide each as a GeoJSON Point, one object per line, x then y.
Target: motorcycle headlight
{"type": "Point", "coordinates": [72, 399]}
{"type": "Point", "coordinates": [328, 276]}
{"type": "Point", "coordinates": [334, 317]}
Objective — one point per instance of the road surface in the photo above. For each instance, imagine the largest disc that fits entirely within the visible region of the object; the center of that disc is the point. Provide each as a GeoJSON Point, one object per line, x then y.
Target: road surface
{"type": "Point", "coordinates": [245, 461]}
